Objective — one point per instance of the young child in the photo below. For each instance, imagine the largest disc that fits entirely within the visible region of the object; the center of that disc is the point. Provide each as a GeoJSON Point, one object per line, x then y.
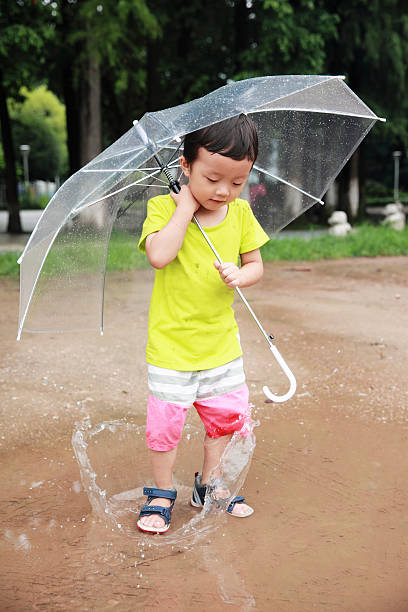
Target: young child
{"type": "Point", "coordinates": [194, 354]}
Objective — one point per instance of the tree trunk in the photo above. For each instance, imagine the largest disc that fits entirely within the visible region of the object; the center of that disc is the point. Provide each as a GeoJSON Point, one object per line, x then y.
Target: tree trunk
{"type": "Point", "coordinates": [362, 182]}
{"type": "Point", "coordinates": [91, 124]}
{"type": "Point", "coordinates": [349, 187]}
{"type": "Point", "coordinates": [154, 95]}
{"type": "Point", "coordinates": [73, 122]}
{"type": "Point", "coordinates": [354, 186]}
{"type": "Point", "coordinates": [65, 77]}
{"type": "Point", "coordinates": [241, 29]}
{"type": "Point", "coordinates": [14, 223]}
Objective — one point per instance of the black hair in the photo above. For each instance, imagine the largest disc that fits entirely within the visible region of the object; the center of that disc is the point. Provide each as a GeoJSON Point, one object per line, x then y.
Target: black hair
{"type": "Point", "coordinates": [235, 137]}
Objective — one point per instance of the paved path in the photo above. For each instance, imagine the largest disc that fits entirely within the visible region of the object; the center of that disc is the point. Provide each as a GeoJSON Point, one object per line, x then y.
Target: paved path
{"type": "Point", "coordinates": [29, 218]}
{"type": "Point", "coordinates": [17, 242]}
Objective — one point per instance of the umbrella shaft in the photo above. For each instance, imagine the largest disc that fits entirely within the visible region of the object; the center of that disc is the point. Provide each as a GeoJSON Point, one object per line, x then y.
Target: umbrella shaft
{"type": "Point", "coordinates": [255, 318]}
{"type": "Point", "coordinates": [238, 290]}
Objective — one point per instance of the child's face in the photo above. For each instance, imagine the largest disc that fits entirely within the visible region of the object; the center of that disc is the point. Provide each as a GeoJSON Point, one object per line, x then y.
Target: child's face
{"type": "Point", "coordinates": [214, 179]}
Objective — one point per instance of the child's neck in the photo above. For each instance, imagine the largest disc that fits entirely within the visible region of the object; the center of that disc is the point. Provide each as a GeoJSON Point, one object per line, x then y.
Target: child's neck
{"type": "Point", "coordinates": [209, 218]}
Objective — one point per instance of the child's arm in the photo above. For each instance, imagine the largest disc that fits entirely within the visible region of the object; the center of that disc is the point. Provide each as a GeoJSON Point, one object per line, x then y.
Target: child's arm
{"type": "Point", "coordinates": [248, 274]}
{"type": "Point", "coordinates": [163, 246]}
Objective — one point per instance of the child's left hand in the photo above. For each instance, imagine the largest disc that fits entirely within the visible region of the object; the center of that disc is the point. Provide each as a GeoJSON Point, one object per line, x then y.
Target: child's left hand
{"type": "Point", "coordinates": [229, 273]}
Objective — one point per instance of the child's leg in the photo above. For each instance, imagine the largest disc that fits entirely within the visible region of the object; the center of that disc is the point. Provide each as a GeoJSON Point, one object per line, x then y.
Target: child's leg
{"type": "Point", "coordinates": [222, 416]}
{"type": "Point", "coordinates": [213, 449]}
{"type": "Point", "coordinates": [164, 426]}
{"type": "Point", "coordinates": [162, 463]}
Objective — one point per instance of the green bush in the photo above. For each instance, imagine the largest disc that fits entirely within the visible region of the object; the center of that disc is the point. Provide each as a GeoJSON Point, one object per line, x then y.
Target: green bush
{"type": "Point", "coordinates": [366, 240]}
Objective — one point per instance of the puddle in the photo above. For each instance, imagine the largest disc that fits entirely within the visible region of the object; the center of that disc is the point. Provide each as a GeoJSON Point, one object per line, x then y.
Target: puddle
{"type": "Point", "coordinates": [319, 479]}
{"type": "Point", "coordinates": [114, 467]}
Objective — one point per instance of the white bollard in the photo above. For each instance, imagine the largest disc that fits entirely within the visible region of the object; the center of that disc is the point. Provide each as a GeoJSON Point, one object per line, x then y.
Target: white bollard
{"type": "Point", "coordinates": [394, 216]}
{"type": "Point", "coordinates": [339, 224]}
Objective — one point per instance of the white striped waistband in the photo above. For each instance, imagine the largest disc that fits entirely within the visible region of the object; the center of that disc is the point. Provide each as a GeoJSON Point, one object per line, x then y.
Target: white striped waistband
{"type": "Point", "coordinates": [187, 387]}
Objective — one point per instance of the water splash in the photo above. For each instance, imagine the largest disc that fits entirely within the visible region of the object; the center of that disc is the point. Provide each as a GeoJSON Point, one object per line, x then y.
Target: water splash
{"type": "Point", "coordinates": [228, 477]}
{"type": "Point", "coordinates": [114, 467]}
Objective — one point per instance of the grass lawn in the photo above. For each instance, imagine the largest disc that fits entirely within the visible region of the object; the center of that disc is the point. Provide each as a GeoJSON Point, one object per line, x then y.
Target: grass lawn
{"type": "Point", "coordinates": [366, 241]}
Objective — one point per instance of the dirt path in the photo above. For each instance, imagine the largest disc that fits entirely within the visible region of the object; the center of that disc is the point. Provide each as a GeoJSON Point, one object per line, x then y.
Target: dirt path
{"type": "Point", "coordinates": [328, 477]}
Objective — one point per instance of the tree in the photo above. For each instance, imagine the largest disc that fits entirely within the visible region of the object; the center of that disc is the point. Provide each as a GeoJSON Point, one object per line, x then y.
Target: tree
{"type": "Point", "coordinates": [371, 49]}
{"type": "Point", "coordinates": [93, 49]}
{"type": "Point", "coordinates": [39, 120]}
{"type": "Point", "coordinates": [23, 34]}
{"type": "Point", "coordinates": [290, 37]}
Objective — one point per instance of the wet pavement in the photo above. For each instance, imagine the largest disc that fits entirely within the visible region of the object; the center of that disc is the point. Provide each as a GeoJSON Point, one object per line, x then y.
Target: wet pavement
{"type": "Point", "coordinates": [327, 477]}
{"type": "Point", "coordinates": [17, 242]}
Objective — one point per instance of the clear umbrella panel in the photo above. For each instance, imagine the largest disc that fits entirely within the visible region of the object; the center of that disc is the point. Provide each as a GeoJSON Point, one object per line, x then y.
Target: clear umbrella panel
{"type": "Point", "coordinates": [308, 127]}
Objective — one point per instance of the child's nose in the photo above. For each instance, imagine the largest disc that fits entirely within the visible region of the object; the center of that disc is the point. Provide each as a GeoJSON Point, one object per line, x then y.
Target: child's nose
{"type": "Point", "coordinates": [222, 189]}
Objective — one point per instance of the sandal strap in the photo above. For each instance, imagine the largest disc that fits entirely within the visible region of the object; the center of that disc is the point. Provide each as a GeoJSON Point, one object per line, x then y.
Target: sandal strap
{"type": "Point", "coordinates": [201, 491]}
{"type": "Point", "coordinates": [152, 492]}
{"type": "Point", "coordinates": [159, 510]}
{"type": "Point", "coordinates": [237, 500]}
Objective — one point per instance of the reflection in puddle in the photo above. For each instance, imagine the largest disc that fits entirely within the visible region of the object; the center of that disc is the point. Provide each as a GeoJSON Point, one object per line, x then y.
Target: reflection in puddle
{"type": "Point", "coordinates": [231, 587]}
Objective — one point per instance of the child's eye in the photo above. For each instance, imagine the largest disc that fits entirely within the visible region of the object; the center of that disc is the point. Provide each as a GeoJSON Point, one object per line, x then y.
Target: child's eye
{"type": "Point", "coordinates": [211, 180]}
{"type": "Point", "coordinates": [237, 184]}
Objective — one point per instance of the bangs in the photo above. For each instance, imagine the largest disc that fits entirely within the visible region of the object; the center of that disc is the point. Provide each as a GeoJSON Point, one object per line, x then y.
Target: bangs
{"type": "Point", "coordinates": [235, 137]}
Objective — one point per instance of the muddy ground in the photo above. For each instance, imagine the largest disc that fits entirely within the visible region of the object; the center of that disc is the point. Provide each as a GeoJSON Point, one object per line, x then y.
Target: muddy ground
{"type": "Point", "coordinates": [328, 477]}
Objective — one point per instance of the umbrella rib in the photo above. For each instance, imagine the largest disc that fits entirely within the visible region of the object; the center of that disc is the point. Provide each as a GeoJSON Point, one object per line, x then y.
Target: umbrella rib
{"type": "Point", "coordinates": [317, 110]}
{"type": "Point", "coordinates": [139, 149]}
{"type": "Point", "coordinates": [304, 88]}
{"type": "Point", "coordinates": [108, 195]}
{"type": "Point", "coordinates": [140, 169]}
{"type": "Point", "coordinates": [361, 102]}
{"type": "Point", "coordinates": [264, 107]}
{"type": "Point", "coordinates": [174, 164]}
{"type": "Point", "coordinates": [281, 180]}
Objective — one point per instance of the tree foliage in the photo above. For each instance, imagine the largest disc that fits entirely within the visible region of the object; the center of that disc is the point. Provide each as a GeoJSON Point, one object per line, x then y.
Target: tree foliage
{"type": "Point", "coordinates": [39, 120]}
{"type": "Point", "coordinates": [110, 61]}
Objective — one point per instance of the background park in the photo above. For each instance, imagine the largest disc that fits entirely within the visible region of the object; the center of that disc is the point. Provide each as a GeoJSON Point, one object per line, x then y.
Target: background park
{"type": "Point", "coordinates": [328, 474]}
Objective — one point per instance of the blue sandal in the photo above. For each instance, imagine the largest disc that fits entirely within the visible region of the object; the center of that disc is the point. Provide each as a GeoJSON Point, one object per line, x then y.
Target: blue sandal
{"type": "Point", "coordinates": [198, 498]}
{"type": "Point", "coordinates": [165, 513]}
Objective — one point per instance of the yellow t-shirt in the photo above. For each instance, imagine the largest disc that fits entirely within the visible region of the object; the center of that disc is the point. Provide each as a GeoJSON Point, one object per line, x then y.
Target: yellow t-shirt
{"type": "Point", "coordinates": [191, 320]}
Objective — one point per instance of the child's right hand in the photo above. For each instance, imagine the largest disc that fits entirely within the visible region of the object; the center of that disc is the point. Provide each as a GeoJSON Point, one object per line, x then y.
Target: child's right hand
{"type": "Point", "coordinates": [185, 200]}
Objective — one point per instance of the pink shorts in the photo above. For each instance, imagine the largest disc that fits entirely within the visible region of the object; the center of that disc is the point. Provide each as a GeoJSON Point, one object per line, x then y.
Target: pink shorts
{"type": "Point", "coordinates": [221, 414]}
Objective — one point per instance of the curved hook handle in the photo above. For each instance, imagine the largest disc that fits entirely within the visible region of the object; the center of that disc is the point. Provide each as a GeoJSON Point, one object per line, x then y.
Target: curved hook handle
{"type": "Point", "coordinates": [289, 374]}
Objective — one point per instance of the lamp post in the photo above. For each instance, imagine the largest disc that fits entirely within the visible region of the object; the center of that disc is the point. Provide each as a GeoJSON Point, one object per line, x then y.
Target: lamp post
{"type": "Point", "coordinates": [396, 155]}
{"type": "Point", "coordinates": [25, 151]}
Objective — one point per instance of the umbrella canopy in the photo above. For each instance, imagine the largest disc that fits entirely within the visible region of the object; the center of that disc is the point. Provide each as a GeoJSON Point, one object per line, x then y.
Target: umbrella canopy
{"type": "Point", "coordinates": [308, 127]}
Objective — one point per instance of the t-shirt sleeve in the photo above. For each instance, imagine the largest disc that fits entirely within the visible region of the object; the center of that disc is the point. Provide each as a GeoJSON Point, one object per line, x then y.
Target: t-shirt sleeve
{"type": "Point", "coordinates": [253, 236]}
{"type": "Point", "coordinates": [159, 211]}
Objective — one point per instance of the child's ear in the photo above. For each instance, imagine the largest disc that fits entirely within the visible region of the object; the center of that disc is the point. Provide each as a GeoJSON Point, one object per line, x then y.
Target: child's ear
{"type": "Point", "coordinates": [185, 166]}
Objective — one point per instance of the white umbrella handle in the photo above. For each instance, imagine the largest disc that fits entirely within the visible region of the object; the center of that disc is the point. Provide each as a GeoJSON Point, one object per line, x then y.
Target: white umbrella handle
{"type": "Point", "coordinates": [289, 374]}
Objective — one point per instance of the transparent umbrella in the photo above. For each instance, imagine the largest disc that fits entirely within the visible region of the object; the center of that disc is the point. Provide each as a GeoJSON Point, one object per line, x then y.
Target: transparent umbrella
{"type": "Point", "coordinates": [308, 127]}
